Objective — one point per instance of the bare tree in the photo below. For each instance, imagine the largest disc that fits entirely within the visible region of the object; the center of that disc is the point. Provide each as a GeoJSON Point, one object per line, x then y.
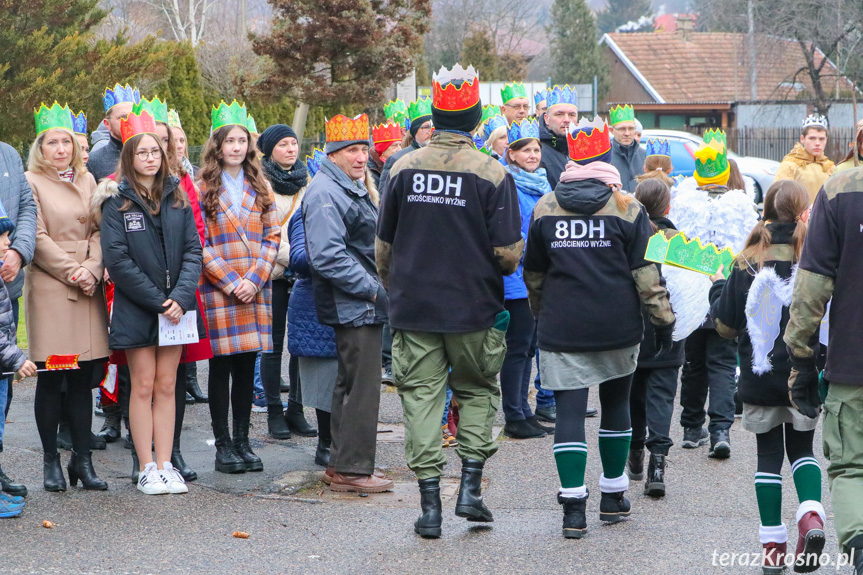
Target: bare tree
{"type": "Point", "coordinates": [187, 19]}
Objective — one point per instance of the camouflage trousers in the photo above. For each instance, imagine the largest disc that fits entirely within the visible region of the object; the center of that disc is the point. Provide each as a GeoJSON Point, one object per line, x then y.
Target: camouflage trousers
{"type": "Point", "coordinates": [843, 446]}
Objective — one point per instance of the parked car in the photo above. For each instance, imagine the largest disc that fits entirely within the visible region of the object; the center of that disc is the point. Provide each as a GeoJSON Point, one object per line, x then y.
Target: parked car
{"type": "Point", "coordinates": [684, 144]}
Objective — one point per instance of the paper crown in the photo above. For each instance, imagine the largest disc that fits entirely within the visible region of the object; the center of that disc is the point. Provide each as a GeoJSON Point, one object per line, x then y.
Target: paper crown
{"type": "Point", "coordinates": [79, 123]}
{"type": "Point", "coordinates": [156, 107]}
{"type": "Point", "coordinates": [510, 91]}
{"type": "Point", "coordinates": [493, 124]}
{"type": "Point", "coordinates": [174, 119]}
{"type": "Point", "coordinates": [447, 96]}
{"type": "Point", "coordinates": [120, 94]}
{"type": "Point", "coordinates": [135, 124]}
{"type": "Point", "coordinates": [422, 107]}
{"type": "Point", "coordinates": [389, 132]}
{"type": "Point", "coordinates": [229, 115]}
{"type": "Point", "coordinates": [558, 95]}
{"type": "Point", "coordinates": [620, 114]}
{"type": "Point", "coordinates": [251, 125]}
{"type": "Point", "coordinates": [489, 112]}
{"type": "Point", "coordinates": [539, 97]}
{"type": "Point", "coordinates": [394, 107]}
{"type": "Point", "coordinates": [688, 254]}
{"type": "Point", "coordinates": [479, 143]}
{"type": "Point", "coordinates": [522, 130]}
{"type": "Point", "coordinates": [658, 147]}
{"type": "Point", "coordinates": [815, 120]}
{"type": "Point", "coordinates": [56, 116]}
{"type": "Point", "coordinates": [711, 158]}
{"type": "Point", "coordinates": [588, 139]}
{"type": "Point", "coordinates": [313, 162]}
{"type": "Point", "coordinates": [340, 128]}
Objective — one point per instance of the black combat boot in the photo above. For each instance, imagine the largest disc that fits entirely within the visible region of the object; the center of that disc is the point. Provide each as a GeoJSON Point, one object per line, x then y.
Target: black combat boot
{"type": "Point", "coordinates": [428, 524]}
{"type": "Point", "coordinates": [574, 520]}
{"type": "Point", "coordinates": [243, 449]}
{"type": "Point", "coordinates": [654, 486]}
{"type": "Point", "coordinates": [635, 464]}
{"type": "Point", "coordinates": [469, 504]}
{"type": "Point", "coordinates": [613, 507]}
{"type": "Point", "coordinates": [227, 460]}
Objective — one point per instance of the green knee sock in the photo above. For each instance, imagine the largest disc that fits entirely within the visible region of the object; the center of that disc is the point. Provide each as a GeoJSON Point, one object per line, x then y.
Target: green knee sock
{"type": "Point", "coordinates": [768, 492]}
{"type": "Point", "coordinates": [613, 451]}
{"type": "Point", "coordinates": [807, 479]}
{"type": "Point", "coordinates": [571, 460]}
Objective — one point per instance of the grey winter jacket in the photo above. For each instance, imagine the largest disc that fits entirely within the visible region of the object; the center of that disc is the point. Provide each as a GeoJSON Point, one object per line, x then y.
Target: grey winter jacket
{"type": "Point", "coordinates": [17, 199]}
{"type": "Point", "coordinates": [629, 161]}
{"type": "Point", "coordinates": [11, 357]}
{"type": "Point", "coordinates": [340, 219]}
{"type": "Point", "coordinates": [103, 161]}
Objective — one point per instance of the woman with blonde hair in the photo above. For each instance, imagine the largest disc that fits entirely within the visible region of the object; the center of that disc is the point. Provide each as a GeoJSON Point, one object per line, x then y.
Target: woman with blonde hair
{"type": "Point", "coordinates": [63, 283]}
{"type": "Point", "coordinates": [657, 164]}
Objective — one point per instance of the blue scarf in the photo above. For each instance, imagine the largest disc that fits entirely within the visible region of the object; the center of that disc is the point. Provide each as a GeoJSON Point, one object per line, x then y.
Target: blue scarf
{"type": "Point", "coordinates": [533, 183]}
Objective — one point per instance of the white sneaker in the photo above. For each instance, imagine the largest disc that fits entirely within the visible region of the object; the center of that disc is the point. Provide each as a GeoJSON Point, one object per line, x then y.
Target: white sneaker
{"type": "Point", "coordinates": [150, 482]}
{"type": "Point", "coordinates": [172, 478]}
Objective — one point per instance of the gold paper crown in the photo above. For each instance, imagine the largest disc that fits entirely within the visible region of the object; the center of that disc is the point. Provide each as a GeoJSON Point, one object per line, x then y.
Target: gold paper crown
{"type": "Point", "coordinates": [340, 128]}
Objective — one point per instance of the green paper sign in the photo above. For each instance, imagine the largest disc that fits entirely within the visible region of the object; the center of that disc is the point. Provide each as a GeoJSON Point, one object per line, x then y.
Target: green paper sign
{"type": "Point", "coordinates": [688, 254]}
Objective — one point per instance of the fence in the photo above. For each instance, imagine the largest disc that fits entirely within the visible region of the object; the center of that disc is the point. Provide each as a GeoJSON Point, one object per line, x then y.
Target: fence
{"type": "Point", "coordinates": [774, 143]}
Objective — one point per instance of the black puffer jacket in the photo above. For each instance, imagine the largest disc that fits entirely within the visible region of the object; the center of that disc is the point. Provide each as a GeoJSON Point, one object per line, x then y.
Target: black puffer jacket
{"type": "Point", "coordinates": [555, 153]}
{"type": "Point", "coordinates": [145, 270]}
{"type": "Point", "coordinates": [728, 312]}
{"type": "Point", "coordinates": [646, 355]}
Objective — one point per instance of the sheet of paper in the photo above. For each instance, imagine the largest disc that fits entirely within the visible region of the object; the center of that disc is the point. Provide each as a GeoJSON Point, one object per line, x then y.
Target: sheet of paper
{"type": "Point", "coordinates": [183, 333]}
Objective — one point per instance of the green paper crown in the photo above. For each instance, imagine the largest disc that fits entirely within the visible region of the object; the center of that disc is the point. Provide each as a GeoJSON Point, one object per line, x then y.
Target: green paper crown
{"type": "Point", "coordinates": [251, 125]}
{"type": "Point", "coordinates": [711, 158]}
{"type": "Point", "coordinates": [395, 108]}
{"type": "Point", "coordinates": [174, 119]}
{"type": "Point", "coordinates": [56, 116]}
{"type": "Point", "coordinates": [510, 91]}
{"type": "Point", "coordinates": [688, 254]}
{"type": "Point", "coordinates": [422, 107]}
{"type": "Point", "coordinates": [620, 114]}
{"type": "Point", "coordinates": [156, 108]}
{"type": "Point", "coordinates": [489, 112]}
{"type": "Point", "coordinates": [233, 115]}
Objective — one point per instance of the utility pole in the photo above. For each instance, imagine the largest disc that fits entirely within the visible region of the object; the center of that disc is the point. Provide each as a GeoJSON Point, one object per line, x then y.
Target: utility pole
{"type": "Point", "coordinates": [243, 29]}
{"type": "Point", "coordinates": [753, 74]}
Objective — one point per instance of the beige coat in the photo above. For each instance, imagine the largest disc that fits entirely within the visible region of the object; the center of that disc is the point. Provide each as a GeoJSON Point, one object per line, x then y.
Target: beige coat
{"type": "Point", "coordinates": [60, 318]}
{"type": "Point", "coordinates": [802, 166]}
{"type": "Point", "coordinates": [285, 208]}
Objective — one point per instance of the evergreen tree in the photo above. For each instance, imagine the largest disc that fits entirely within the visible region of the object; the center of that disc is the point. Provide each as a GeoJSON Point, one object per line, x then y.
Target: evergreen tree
{"type": "Point", "coordinates": [479, 51]}
{"type": "Point", "coordinates": [576, 55]}
{"type": "Point", "coordinates": [49, 50]}
{"type": "Point", "coordinates": [619, 12]}
{"type": "Point", "coordinates": [183, 91]}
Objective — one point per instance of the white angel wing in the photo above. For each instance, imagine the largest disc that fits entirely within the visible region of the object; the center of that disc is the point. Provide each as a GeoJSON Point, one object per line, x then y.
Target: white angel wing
{"type": "Point", "coordinates": [687, 292]}
{"type": "Point", "coordinates": [824, 335]}
{"type": "Point", "coordinates": [767, 296]}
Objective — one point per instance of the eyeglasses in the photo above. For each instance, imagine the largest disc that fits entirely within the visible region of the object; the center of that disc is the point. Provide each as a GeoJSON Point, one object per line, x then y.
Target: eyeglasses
{"type": "Point", "coordinates": [518, 106]}
{"type": "Point", "coordinates": [426, 127]}
{"type": "Point", "coordinates": [144, 156]}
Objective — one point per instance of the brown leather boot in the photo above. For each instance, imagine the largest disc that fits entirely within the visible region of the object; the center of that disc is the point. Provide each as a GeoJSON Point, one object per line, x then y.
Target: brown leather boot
{"type": "Point", "coordinates": [352, 483]}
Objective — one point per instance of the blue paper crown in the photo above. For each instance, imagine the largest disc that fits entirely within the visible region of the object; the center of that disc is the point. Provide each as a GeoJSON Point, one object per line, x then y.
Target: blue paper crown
{"type": "Point", "coordinates": [120, 94]}
{"type": "Point", "coordinates": [479, 143]}
{"type": "Point", "coordinates": [492, 124]}
{"type": "Point", "coordinates": [558, 95]}
{"type": "Point", "coordinates": [313, 162]}
{"type": "Point", "coordinates": [540, 96]}
{"type": "Point", "coordinates": [79, 123]}
{"type": "Point", "coordinates": [658, 147]}
{"type": "Point", "coordinates": [522, 130]}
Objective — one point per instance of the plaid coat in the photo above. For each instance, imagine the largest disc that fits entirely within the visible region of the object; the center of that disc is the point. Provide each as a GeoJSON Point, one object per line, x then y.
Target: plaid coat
{"type": "Point", "coordinates": [237, 249]}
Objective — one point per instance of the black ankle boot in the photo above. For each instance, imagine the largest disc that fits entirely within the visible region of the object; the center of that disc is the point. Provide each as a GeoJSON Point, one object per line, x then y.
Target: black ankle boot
{"type": "Point", "coordinates": [276, 424]}
{"type": "Point", "coordinates": [296, 420]}
{"type": "Point", "coordinates": [429, 523]}
{"type": "Point", "coordinates": [574, 520]}
{"type": "Point", "coordinates": [227, 460]}
{"type": "Point", "coordinates": [192, 387]}
{"type": "Point", "coordinates": [98, 442]}
{"type": "Point", "coordinates": [322, 453]}
{"type": "Point", "coordinates": [613, 507]}
{"type": "Point", "coordinates": [243, 449]}
{"type": "Point", "coordinates": [469, 503]}
{"type": "Point", "coordinates": [635, 464]}
{"type": "Point", "coordinates": [52, 472]}
{"type": "Point", "coordinates": [81, 467]}
{"type": "Point", "coordinates": [180, 465]}
{"type": "Point", "coordinates": [111, 428]}
{"type": "Point", "coordinates": [10, 487]}
{"type": "Point", "coordinates": [654, 486]}
{"type": "Point", "coordinates": [64, 437]}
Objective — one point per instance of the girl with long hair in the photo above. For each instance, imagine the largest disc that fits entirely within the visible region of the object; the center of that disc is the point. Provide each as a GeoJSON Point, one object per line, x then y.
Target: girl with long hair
{"type": "Point", "coordinates": [152, 251]}
{"type": "Point", "coordinates": [242, 240]}
{"type": "Point", "coordinates": [752, 305]}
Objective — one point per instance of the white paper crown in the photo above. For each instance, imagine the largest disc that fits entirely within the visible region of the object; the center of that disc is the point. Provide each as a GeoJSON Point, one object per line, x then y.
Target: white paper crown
{"type": "Point", "coordinates": [815, 120]}
{"type": "Point", "coordinates": [444, 76]}
{"type": "Point", "coordinates": [583, 123]}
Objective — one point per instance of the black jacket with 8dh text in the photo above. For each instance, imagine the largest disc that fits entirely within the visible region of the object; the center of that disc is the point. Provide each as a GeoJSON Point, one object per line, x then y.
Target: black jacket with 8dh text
{"type": "Point", "coordinates": [145, 270]}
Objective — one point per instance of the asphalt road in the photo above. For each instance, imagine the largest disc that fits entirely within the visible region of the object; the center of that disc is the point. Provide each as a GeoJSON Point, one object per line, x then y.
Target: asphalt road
{"type": "Point", "coordinates": [296, 525]}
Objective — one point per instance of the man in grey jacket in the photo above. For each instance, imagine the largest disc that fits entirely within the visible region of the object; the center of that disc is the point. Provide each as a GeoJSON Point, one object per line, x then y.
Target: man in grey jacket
{"type": "Point", "coordinates": [17, 199]}
{"type": "Point", "coordinates": [340, 218]}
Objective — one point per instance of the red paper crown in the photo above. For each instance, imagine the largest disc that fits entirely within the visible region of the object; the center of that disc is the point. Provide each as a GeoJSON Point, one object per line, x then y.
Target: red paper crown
{"type": "Point", "coordinates": [388, 132]}
{"type": "Point", "coordinates": [343, 129]}
{"type": "Point", "coordinates": [588, 139]}
{"type": "Point", "coordinates": [446, 96]}
{"type": "Point", "coordinates": [133, 124]}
